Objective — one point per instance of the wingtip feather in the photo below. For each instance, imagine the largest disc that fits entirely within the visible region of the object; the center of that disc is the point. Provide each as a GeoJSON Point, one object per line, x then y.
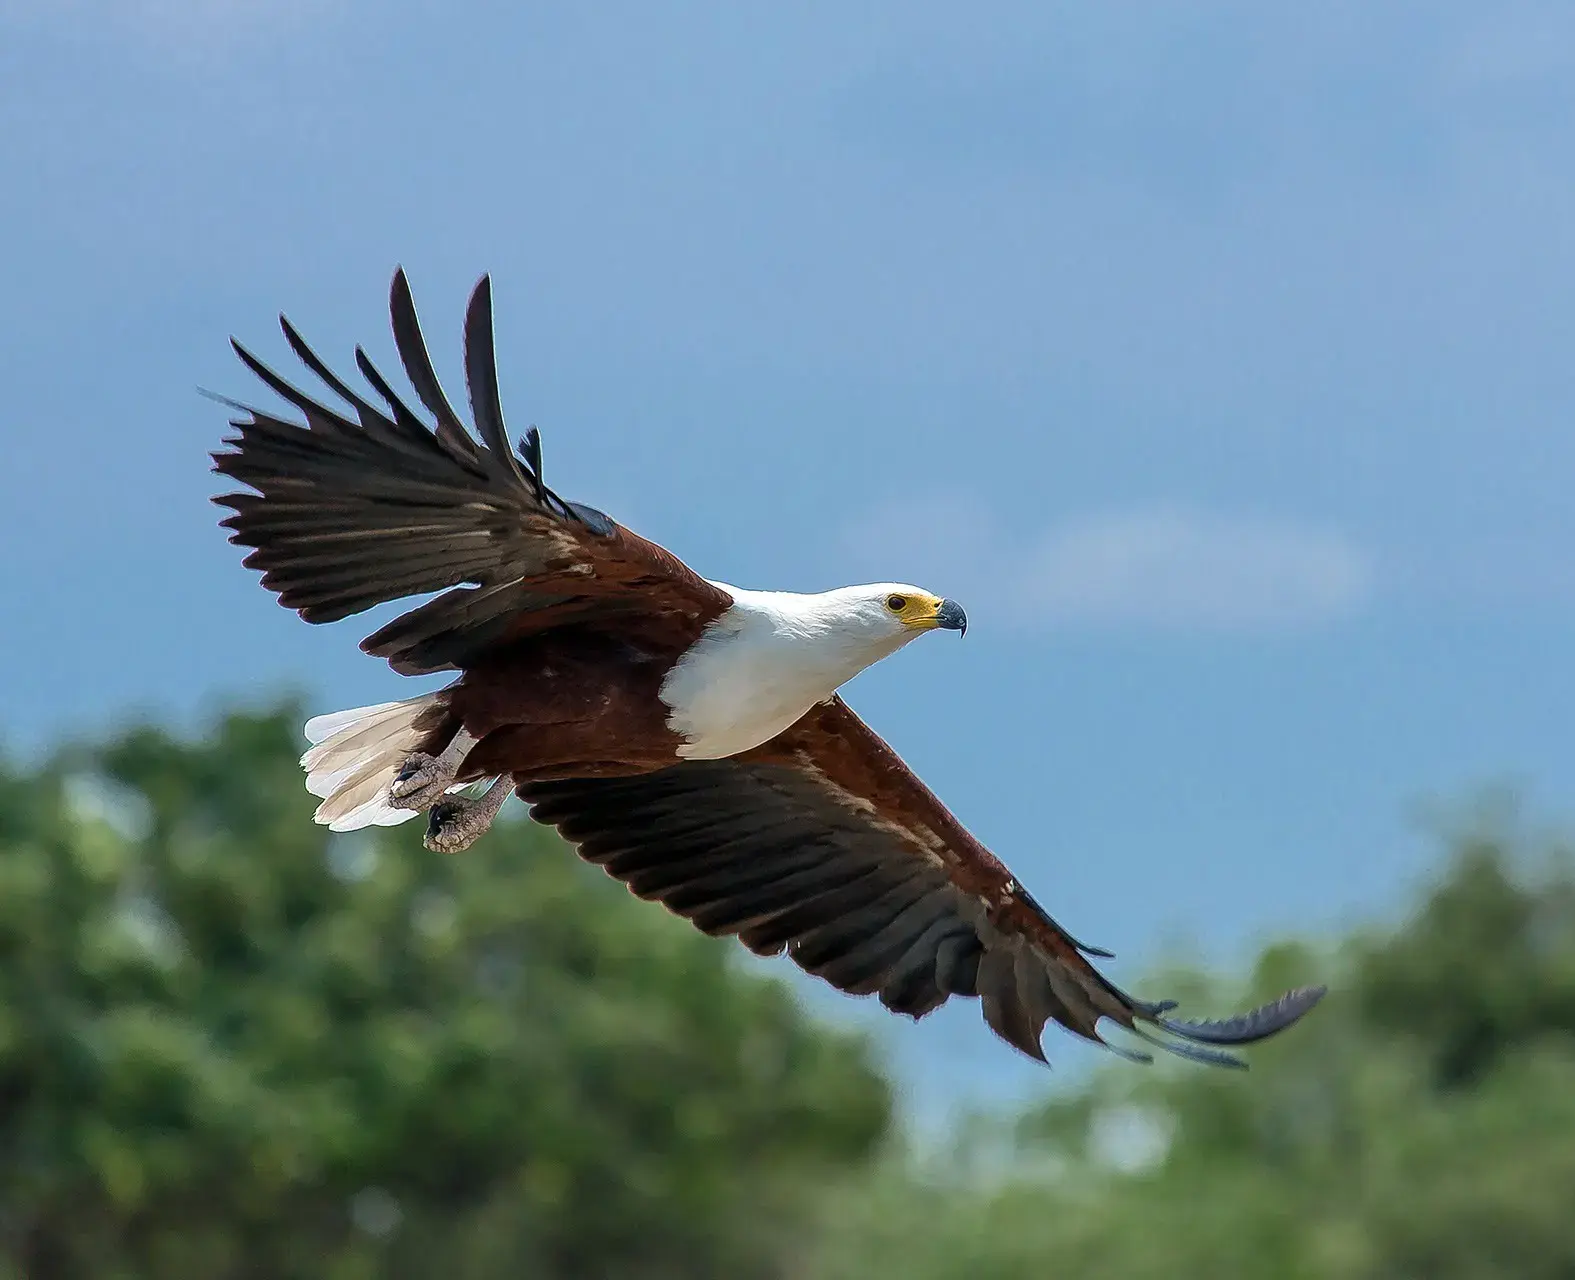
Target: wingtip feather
{"type": "Point", "coordinates": [399, 289]}
{"type": "Point", "coordinates": [1254, 1025]}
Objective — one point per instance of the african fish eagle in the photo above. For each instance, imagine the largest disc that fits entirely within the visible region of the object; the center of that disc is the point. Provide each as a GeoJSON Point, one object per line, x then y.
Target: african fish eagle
{"type": "Point", "coordinates": [684, 735]}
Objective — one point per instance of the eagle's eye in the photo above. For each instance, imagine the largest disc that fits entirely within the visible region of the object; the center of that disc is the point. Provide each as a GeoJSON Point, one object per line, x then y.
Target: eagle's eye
{"type": "Point", "coordinates": [896, 603]}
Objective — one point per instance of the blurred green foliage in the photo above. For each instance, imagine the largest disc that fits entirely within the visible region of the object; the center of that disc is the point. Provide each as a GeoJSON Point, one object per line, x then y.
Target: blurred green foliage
{"type": "Point", "coordinates": [1419, 1126]}
{"type": "Point", "coordinates": [233, 1044]}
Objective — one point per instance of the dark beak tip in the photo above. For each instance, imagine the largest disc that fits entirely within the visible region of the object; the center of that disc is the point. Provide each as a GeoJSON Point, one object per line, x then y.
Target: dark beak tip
{"type": "Point", "coordinates": [952, 618]}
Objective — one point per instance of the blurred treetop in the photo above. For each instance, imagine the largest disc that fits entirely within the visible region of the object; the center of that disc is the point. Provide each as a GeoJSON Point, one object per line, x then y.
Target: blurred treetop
{"type": "Point", "coordinates": [1420, 1127]}
{"type": "Point", "coordinates": [234, 1044]}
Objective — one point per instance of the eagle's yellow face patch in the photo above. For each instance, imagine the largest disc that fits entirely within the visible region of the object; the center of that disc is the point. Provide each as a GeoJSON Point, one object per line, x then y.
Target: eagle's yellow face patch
{"type": "Point", "coordinates": [917, 609]}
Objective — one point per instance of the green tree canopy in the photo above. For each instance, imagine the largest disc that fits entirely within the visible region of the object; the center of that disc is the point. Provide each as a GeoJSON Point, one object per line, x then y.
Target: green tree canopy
{"type": "Point", "coordinates": [235, 1045]}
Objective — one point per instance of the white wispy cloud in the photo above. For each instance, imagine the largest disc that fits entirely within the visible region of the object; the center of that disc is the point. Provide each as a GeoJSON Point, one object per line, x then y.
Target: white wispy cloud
{"type": "Point", "coordinates": [1193, 569]}
{"type": "Point", "coordinates": [1168, 568]}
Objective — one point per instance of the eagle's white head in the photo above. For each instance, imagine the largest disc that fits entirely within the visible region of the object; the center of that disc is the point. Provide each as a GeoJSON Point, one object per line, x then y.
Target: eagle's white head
{"type": "Point", "coordinates": [883, 616]}
{"type": "Point", "coordinates": [775, 654]}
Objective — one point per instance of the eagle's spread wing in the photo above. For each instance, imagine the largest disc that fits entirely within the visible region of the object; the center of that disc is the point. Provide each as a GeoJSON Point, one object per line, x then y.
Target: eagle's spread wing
{"type": "Point", "coordinates": [373, 505]}
{"type": "Point", "coordinates": [824, 843]}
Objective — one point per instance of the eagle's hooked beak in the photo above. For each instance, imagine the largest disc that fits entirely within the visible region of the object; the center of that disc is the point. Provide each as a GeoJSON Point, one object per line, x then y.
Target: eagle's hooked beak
{"type": "Point", "coordinates": [950, 617]}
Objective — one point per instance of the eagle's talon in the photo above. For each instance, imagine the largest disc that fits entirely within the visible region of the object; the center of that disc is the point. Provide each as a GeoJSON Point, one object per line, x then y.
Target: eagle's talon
{"type": "Point", "coordinates": [454, 824]}
{"type": "Point", "coordinates": [420, 783]}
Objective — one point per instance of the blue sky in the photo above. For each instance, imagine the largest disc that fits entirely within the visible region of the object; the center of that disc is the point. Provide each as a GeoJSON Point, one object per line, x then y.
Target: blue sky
{"type": "Point", "coordinates": [1217, 357]}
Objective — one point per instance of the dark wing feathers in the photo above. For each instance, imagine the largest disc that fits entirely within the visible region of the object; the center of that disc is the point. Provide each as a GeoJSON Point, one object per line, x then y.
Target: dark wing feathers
{"type": "Point", "coordinates": [1246, 1028]}
{"type": "Point", "coordinates": [413, 355]}
{"type": "Point", "coordinates": [354, 509]}
{"type": "Point", "coordinates": [957, 962]}
{"type": "Point", "coordinates": [486, 400]}
{"type": "Point", "coordinates": [824, 845]}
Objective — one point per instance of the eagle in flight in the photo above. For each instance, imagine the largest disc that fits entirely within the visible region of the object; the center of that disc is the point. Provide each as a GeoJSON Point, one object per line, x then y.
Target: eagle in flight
{"type": "Point", "coordinates": [683, 734]}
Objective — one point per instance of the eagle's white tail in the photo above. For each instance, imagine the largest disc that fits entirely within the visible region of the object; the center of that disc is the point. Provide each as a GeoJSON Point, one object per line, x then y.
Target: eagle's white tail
{"type": "Point", "coordinates": [355, 755]}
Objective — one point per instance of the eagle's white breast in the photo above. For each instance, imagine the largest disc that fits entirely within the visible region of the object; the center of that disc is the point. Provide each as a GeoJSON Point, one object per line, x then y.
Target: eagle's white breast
{"type": "Point", "coordinates": [766, 661]}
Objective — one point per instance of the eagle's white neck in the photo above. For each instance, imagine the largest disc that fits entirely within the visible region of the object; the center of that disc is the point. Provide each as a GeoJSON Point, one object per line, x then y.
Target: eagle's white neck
{"type": "Point", "coordinates": [770, 658]}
